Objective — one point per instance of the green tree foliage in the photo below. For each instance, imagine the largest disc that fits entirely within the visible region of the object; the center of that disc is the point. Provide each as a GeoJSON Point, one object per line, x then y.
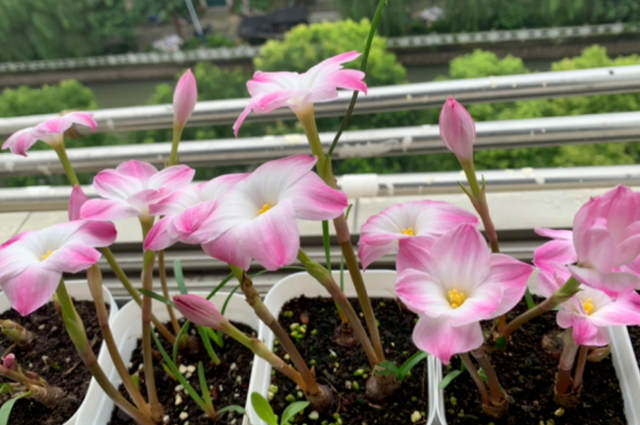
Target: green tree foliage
{"type": "Point", "coordinates": [212, 41]}
{"type": "Point", "coordinates": [44, 29]}
{"type": "Point", "coordinates": [395, 19]}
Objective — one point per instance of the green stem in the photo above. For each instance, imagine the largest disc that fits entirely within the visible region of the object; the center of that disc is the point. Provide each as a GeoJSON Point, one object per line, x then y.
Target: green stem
{"type": "Point", "coordinates": [165, 291]}
{"type": "Point", "coordinates": [66, 164]}
{"type": "Point", "coordinates": [79, 338]}
{"type": "Point", "coordinates": [568, 290]}
{"type": "Point", "coordinates": [263, 313]}
{"type": "Point", "coordinates": [133, 293]}
{"type": "Point", "coordinates": [306, 116]}
{"type": "Point", "coordinates": [177, 134]}
{"type": "Point", "coordinates": [325, 278]}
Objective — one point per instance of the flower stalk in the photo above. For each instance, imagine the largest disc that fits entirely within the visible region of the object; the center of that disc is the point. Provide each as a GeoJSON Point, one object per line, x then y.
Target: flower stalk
{"type": "Point", "coordinates": [567, 359]}
{"type": "Point", "coordinates": [165, 291]}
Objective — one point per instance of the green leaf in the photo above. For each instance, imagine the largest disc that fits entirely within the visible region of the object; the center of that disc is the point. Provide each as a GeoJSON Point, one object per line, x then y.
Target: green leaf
{"type": "Point", "coordinates": [204, 336]}
{"type": "Point", "coordinates": [346, 216]}
{"type": "Point", "coordinates": [5, 410]}
{"type": "Point", "coordinates": [326, 240]}
{"type": "Point", "coordinates": [483, 375]}
{"type": "Point", "coordinates": [176, 373]}
{"type": "Point", "coordinates": [529, 298]}
{"type": "Point", "coordinates": [6, 389]}
{"type": "Point", "coordinates": [263, 409]}
{"type": "Point", "coordinates": [411, 362]}
{"type": "Point", "coordinates": [232, 408]}
{"type": "Point", "coordinates": [449, 378]}
{"type": "Point", "coordinates": [177, 271]}
{"type": "Point", "coordinates": [220, 285]}
{"type": "Point", "coordinates": [206, 396]}
{"type": "Point", "coordinates": [226, 302]}
{"type": "Point", "coordinates": [388, 368]}
{"type": "Point", "coordinates": [176, 345]}
{"type": "Point", "coordinates": [158, 297]}
{"type": "Point", "coordinates": [136, 381]}
{"type": "Point", "coordinates": [216, 337]}
{"type": "Point", "coordinates": [501, 343]}
{"type": "Point", "coordinates": [292, 410]}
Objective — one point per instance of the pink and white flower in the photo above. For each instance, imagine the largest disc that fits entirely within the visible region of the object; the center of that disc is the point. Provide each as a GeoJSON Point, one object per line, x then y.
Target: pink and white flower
{"type": "Point", "coordinates": [590, 311]}
{"type": "Point", "coordinates": [51, 132]}
{"type": "Point", "coordinates": [408, 228]}
{"type": "Point", "coordinates": [602, 251]}
{"type": "Point", "coordinates": [200, 311]}
{"type": "Point", "coordinates": [32, 263]}
{"type": "Point", "coordinates": [258, 218]}
{"type": "Point", "coordinates": [133, 188]}
{"type": "Point", "coordinates": [188, 213]}
{"type": "Point", "coordinates": [76, 201]}
{"type": "Point", "coordinates": [456, 285]}
{"type": "Point", "coordinates": [272, 90]}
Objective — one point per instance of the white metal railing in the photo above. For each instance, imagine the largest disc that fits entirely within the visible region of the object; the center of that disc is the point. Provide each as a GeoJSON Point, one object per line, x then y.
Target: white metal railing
{"type": "Point", "coordinates": [617, 127]}
{"type": "Point", "coordinates": [56, 198]}
{"type": "Point", "coordinates": [585, 82]}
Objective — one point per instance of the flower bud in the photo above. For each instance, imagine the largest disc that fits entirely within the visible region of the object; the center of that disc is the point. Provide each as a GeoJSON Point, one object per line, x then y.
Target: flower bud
{"type": "Point", "coordinates": [77, 199]}
{"type": "Point", "coordinates": [184, 99]}
{"type": "Point", "coordinates": [457, 130]}
{"type": "Point", "coordinates": [9, 361]}
{"type": "Point", "coordinates": [15, 332]}
{"type": "Point", "coordinates": [200, 311]}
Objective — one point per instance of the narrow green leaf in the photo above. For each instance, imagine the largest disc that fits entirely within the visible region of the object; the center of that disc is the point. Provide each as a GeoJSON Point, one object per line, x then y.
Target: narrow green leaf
{"type": "Point", "coordinates": [158, 297]}
{"type": "Point", "coordinates": [529, 298]}
{"type": "Point", "coordinates": [136, 381]}
{"type": "Point", "coordinates": [411, 362]}
{"type": "Point", "coordinates": [292, 410]}
{"type": "Point", "coordinates": [206, 396]}
{"type": "Point", "coordinates": [482, 375]}
{"type": "Point", "coordinates": [449, 378]}
{"type": "Point", "coordinates": [226, 302]}
{"type": "Point", "coordinates": [501, 343]}
{"type": "Point", "coordinates": [216, 337]}
{"type": "Point", "coordinates": [5, 410]}
{"type": "Point", "coordinates": [6, 389]}
{"type": "Point", "coordinates": [346, 216]}
{"type": "Point", "coordinates": [220, 285]}
{"type": "Point", "coordinates": [263, 409]}
{"type": "Point", "coordinates": [207, 345]}
{"type": "Point", "coordinates": [177, 271]}
{"type": "Point", "coordinates": [363, 67]}
{"type": "Point", "coordinates": [176, 345]}
{"type": "Point", "coordinates": [326, 240]}
{"type": "Point", "coordinates": [176, 373]}
{"type": "Point", "coordinates": [232, 408]}
{"type": "Point", "coordinates": [388, 367]}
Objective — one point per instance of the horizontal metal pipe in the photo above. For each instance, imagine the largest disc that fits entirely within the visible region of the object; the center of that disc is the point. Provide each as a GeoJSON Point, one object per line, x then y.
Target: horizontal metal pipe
{"type": "Point", "coordinates": [53, 198]}
{"type": "Point", "coordinates": [584, 82]}
{"type": "Point", "coordinates": [618, 127]}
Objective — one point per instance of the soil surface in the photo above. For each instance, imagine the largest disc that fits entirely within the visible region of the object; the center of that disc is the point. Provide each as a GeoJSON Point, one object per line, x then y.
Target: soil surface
{"type": "Point", "coordinates": [337, 366]}
{"type": "Point", "coordinates": [228, 382]}
{"type": "Point", "coordinates": [52, 340]}
{"type": "Point", "coordinates": [527, 372]}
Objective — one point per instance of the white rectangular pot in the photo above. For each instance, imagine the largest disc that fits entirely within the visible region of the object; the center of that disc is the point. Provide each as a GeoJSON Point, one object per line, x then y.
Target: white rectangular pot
{"type": "Point", "coordinates": [624, 362]}
{"type": "Point", "coordinates": [380, 283]}
{"type": "Point", "coordinates": [127, 328]}
{"type": "Point", "coordinates": [79, 290]}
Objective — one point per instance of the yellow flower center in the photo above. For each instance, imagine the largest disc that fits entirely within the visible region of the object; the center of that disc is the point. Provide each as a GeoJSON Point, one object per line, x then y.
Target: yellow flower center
{"type": "Point", "coordinates": [264, 209]}
{"type": "Point", "coordinates": [45, 256]}
{"type": "Point", "coordinates": [408, 232]}
{"type": "Point", "coordinates": [588, 307]}
{"type": "Point", "coordinates": [456, 298]}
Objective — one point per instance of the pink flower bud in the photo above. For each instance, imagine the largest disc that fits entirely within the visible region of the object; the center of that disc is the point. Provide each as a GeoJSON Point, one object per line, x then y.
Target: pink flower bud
{"type": "Point", "coordinates": [457, 130]}
{"type": "Point", "coordinates": [76, 200]}
{"type": "Point", "coordinates": [199, 311]}
{"type": "Point", "coordinates": [9, 361]}
{"type": "Point", "coordinates": [184, 98]}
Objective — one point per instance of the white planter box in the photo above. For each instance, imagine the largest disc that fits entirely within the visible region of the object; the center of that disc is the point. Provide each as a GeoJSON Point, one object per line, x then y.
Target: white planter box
{"type": "Point", "coordinates": [80, 291]}
{"type": "Point", "coordinates": [127, 328]}
{"type": "Point", "coordinates": [624, 362]}
{"type": "Point", "coordinates": [380, 283]}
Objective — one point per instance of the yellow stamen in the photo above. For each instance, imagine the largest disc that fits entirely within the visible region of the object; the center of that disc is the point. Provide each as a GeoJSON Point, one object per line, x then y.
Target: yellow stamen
{"type": "Point", "coordinates": [408, 232]}
{"type": "Point", "coordinates": [264, 209]}
{"type": "Point", "coordinates": [588, 307]}
{"type": "Point", "coordinates": [456, 298]}
{"type": "Point", "coordinates": [45, 256]}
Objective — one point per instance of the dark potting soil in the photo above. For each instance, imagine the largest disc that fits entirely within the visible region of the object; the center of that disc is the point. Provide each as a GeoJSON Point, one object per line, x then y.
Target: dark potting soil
{"type": "Point", "coordinates": [51, 339]}
{"type": "Point", "coordinates": [634, 333]}
{"type": "Point", "coordinates": [527, 373]}
{"type": "Point", "coordinates": [228, 382]}
{"type": "Point", "coordinates": [336, 366]}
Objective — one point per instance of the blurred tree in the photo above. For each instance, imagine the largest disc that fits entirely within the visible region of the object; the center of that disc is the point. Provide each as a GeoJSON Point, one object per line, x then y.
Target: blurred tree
{"type": "Point", "coordinates": [213, 41]}
{"type": "Point", "coordinates": [395, 20]}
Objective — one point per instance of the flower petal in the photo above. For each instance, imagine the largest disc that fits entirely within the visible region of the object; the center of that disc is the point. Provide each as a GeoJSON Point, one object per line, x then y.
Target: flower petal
{"type": "Point", "coordinates": [137, 170]}
{"type": "Point", "coordinates": [31, 289]}
{"type": "Point", "coordinates": [172, 178]}
{"type": "Point", "coordinates": [558, 251]}
{"type": "Point", "coordinates": [111, 184]}
{"type": "Point", "coordinates": [511, 275]}
{"type": "Point", "coordinates": [624, 311]}
{"type": "Point", "coordinates": [160, 236]}
{"type": "Point", "coordinates": [414, 253]}
{"type": "Point", "coordinates": [226, 248]}
{"type": "Point", "coordinates": [554, 234]}
{"type": "Point", "coordinates": [314, 200]}
{"type": "Point", "coordinates": [82, 118]}
{"type": "Point", "coordinates": [103, 209]}
{"type": "Point", "coordinates": [612, 284]}
{"type": "Point", "coordinates": [76, 201]}
{"type": "Point", "coordinates": [71, 258]}
{"type": "Point", "coordinates": [20, 141]}
{"type": "Point", "coordinates": [438, 338]}
{"type": "Point", "coordinates": [421, 293]}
